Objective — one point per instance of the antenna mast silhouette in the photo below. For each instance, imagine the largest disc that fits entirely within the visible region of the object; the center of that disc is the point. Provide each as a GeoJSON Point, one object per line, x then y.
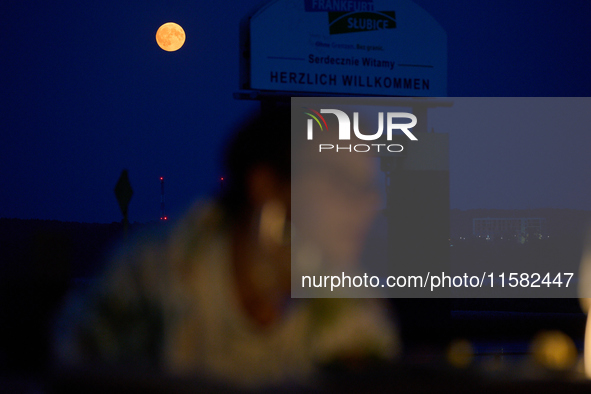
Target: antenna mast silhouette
{"type": "Point", "coordinates": [162, 214]}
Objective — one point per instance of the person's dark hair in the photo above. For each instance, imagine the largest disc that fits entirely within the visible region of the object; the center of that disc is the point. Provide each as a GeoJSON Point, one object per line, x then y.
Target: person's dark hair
{"type": "Point", "coordinates": [263, 140]}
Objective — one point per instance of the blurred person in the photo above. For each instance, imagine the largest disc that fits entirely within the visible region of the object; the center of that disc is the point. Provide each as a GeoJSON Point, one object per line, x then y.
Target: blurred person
{"type": "Point", "coordinates": [212, 299]}
{"type": "Point", "coordinates": [335, 199]}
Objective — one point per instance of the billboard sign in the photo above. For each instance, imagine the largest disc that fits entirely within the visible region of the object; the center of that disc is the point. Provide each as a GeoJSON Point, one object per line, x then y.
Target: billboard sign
{"type": "Point", "coordinates": [359, 47]}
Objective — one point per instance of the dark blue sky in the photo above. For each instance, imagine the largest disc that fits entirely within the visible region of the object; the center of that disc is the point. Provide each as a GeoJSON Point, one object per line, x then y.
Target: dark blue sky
{"type": "Point", "coordinates": [86, 92]}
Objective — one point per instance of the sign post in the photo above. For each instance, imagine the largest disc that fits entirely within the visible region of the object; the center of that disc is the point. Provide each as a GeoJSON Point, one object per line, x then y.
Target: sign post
{"type": "Point", "coordinates": [123, 193]}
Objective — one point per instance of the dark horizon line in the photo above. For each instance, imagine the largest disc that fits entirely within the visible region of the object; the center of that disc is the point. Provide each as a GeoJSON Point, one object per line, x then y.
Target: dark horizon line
{"type": "Point", "coordinates": [172, 220]}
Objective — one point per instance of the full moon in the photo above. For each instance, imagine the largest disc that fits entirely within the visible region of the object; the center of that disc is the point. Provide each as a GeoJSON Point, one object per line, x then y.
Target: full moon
{"type": "Point", "coordinates": [170, 37]}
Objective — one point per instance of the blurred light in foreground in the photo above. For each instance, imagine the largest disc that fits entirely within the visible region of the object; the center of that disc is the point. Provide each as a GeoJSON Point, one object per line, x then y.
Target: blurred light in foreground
{"type": "Point", "coordinates": [460, 353]}
{"type": "Point", "coordinates": [587, 348]}
{"type": "Point", "coordinates": [554, 350]}
{"type": "Point", "coordinates": [585, 299]}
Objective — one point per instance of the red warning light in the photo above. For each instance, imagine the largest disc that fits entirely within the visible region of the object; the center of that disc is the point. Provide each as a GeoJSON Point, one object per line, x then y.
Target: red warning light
{"type": "Point", "coordinates": [165, 218]}
{"type": "Point", "coordinates": [222, 178]}
{"type": "Point", "coordinates": [161, 178]}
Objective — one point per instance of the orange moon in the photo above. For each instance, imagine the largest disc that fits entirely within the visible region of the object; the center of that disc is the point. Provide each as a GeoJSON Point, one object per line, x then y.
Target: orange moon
{"type": "Point", "coordinates": [170, 37]}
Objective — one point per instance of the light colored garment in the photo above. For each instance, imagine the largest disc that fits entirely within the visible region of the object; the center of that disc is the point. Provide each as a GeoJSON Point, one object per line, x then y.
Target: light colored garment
{"type": "Point", "coordinates": [173, 304]}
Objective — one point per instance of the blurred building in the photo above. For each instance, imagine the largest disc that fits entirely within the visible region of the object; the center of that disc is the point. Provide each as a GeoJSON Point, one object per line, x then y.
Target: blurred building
{"type": "Point", "coordinates": [520, 229]}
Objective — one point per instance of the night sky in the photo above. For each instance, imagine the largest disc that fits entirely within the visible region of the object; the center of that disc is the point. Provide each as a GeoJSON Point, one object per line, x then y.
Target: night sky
{"type": "Point", "coordinates": [86, 92]}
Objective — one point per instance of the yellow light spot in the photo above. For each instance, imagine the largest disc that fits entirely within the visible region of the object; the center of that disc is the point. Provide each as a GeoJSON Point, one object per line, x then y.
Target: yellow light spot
{"type": "Point", "coordinates": [554, 350]}
{"type": "Point", "coordinates": [460, 353]}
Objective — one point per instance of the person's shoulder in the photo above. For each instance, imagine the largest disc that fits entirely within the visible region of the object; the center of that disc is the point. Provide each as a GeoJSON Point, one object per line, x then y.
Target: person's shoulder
{"type": "Point", "coordinates": [168, 244]}
{"type": "Point", "coordinates": [200, 228]}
